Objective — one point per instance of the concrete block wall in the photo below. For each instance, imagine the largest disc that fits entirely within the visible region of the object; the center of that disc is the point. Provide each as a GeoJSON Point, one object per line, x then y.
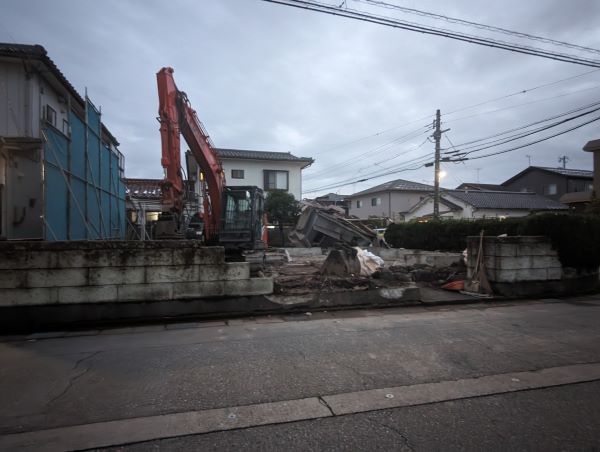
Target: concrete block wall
{"type": "Point", "coordinates": [515, 259]}
{"type": "Point", "coordinates": [40, 273]}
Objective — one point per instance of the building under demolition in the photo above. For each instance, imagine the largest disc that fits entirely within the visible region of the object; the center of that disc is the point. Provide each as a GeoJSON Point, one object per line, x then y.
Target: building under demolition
{"type": "Point", "coordinates": [61, 173]}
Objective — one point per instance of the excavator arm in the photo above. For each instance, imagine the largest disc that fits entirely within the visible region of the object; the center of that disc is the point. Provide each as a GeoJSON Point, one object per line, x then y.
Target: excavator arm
{"type": "Point", "coordinates": [177, 117]}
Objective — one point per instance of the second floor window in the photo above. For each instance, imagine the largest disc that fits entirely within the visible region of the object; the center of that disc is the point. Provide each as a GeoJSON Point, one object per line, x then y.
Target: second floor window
{"type": "Point", "coordinates": [550, 189]}
{"type": "Point", "coordinates": [276, 180]}
{"type": "Point", "coordinates": [237, 173]}
{"type": "Point", "coordinates": [375, 201]}
{"type": "Point", "coordinates": [50, 115]}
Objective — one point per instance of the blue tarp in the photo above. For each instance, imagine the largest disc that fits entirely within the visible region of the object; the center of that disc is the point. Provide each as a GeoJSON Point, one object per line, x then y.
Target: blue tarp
{"type": "Point", "coordinates": [84, 192]}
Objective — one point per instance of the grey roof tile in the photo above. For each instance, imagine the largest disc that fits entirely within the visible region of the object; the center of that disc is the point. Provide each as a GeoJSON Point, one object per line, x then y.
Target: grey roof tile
{"type": "Point", "coordinates": [395, 185]}
{"type": "Point", "coordinates": [505, 200]}
{"type": "Point", "coordinates": [260, 155]}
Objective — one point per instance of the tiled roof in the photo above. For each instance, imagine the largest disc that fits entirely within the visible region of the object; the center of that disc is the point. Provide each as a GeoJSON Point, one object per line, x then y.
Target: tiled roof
{"type": "Point", "coordinates": [478, 186]}
{"type": "Point", "coordinates": [333, 197]}
{"type": "Point", "coordinates": [505, 200]}
{"type": "Point", "coordinates": [568, 171]}
{"type": "Point", "coordinates": [395, 185]}
{"type": "Point", "coordinates": [144, 188]}
{"type": "Point", "coordinates": [260, 155]}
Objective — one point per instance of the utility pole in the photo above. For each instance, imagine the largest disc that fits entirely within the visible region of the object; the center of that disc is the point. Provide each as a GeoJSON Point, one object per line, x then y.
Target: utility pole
{"type": "Point", "coordinates": [477, 169]}
{"type": "Point", "coordinates": [437, 135]}
{"type": "Point", "coordinates": [564, 159]}
{"type": "Point", "coordinates": [529, 159]}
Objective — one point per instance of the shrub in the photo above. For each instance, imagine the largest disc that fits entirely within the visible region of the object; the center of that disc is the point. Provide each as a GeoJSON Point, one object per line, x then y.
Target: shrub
{"type": "Point", "coordinates": [575, 237]}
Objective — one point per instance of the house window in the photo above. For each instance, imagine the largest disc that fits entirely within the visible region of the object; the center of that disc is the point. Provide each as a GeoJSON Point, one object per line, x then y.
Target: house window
{"type": "Point", "coordinates": [358, 204]}
{"type": "Point", "coordinates": [237, 173]}
{"type": "Point", "coordinates": [375, 201]}
{"type": "Point", "coordinates": [550, 189]}
{"type": "Point", "coordinates": [50, 115]}
{"type": "Point", "coordinates": [65, 127]}
{"type": "Point", "coordinates": [276, 180]}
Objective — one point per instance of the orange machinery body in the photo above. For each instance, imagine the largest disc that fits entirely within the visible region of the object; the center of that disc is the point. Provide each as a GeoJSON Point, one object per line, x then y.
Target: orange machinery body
{"type": "Point", "coordinates": [178, 118]}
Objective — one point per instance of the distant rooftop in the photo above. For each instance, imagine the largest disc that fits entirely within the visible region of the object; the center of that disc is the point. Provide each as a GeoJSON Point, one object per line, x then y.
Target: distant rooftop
{"type": "Point", "coordinates": [505, 200]}
{"type": "Point", "coordinates": [478, 186]}
{"type": "Point", "coordinates": [395, 185]}
{"type": "Point", "coordinates": [261, 155]}
{"type": "Point", "coordinates": [333, 197]}
{"type": "Point", "coordinates": [568, 172]}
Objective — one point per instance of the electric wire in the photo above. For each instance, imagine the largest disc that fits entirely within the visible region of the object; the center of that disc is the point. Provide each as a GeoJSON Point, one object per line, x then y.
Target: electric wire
{"type": "Point", "coordinates": [473, 143]}
{"type": "Point", "coordinates": [537, 141]}
{"type": "Point", "coordinates": [480, 26]}
{"type": "Point", "coordinates": [404, 25]}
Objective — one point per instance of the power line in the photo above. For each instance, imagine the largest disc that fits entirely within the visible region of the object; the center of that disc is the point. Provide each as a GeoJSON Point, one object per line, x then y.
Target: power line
{"type": "Point", "coordinates": [516, 93]}
{"type": "Point", "coordinates": [510, 107]}
{"type": "Point", "coordinates": [363, 155]}
{"type": "Point", "coordinates": [471, 144]}
{"type": "Point", "coordinates": [480, 26]}
{"type": "Point", "coordinates": [404, 25]}
{"type": "Point", "coordinates": [537, 141]}
{"type": "Point", "coordinates": [361, 180]}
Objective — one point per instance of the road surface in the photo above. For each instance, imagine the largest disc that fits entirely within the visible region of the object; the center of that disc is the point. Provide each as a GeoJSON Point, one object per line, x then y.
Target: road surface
{"type": "Point", "coordinates": [512, 376]}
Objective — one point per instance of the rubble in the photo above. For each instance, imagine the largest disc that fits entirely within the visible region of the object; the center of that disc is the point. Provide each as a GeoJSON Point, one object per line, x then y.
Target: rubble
{"type": "Point", "coordinates": [326, 227]}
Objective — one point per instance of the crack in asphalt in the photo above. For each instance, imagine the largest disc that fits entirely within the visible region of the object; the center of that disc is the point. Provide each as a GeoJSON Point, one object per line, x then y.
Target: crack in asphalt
{"type": "Point", "coordinates": [73, 378]}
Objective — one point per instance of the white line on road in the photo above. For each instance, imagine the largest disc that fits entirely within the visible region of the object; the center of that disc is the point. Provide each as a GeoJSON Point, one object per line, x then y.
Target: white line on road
{"type": "Point", "coordinates": [126, 431]}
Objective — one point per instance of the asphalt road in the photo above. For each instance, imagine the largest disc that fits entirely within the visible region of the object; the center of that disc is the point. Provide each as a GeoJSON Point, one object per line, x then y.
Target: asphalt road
{"type": "Point", "coordinates": [136, 373]}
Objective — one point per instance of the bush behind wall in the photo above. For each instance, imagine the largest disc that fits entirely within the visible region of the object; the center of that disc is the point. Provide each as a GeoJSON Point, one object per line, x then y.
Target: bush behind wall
{"type": "Point", "coordinates": [575, 237]}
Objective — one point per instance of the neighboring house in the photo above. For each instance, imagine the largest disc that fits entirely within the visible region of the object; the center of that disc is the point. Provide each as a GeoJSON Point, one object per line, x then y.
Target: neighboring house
{"type": "Point", "coordinates": [143, 204]}
{"type": "Point", "coordinates": [267, 170]}
{"type": "Point", "coordinates": [60, 168]}
{"type": "Point", "coordinates": [389, 200]}
{"type": "Point", "coordinates": [333, 199]}
{"type": "Point", "coordinates": [468, 204]}
{"type": "Point", "coordinates": [552, 183]}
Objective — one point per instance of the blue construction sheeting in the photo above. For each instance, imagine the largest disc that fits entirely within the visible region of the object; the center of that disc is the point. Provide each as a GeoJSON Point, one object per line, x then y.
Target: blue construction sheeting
{"type": "Point", "coordinates": [84, 193]}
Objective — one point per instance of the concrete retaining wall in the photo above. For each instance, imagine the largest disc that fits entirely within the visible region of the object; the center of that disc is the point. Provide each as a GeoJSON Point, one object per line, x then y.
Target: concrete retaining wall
{"type": "Point", "coordinates": [515, 259]}
{"type": "Point", "coordinates": [41, 273]}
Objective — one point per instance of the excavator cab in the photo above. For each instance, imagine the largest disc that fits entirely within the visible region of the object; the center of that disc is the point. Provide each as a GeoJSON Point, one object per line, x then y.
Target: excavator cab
{"type": "Point", "coordinates": [241, 218]}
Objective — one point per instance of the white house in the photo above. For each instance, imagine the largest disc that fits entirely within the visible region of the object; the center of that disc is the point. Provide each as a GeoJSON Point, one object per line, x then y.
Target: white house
{"type": "Point", "coordinates": [389, 200]}
{"type": "Point", "coordinates": [267, 170]}
{"type": "Point", "coordinates": [467, 204]}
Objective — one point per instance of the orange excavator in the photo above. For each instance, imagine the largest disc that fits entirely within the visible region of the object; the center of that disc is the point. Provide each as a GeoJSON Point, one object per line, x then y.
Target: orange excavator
{"type": "Point", "coordinates": [232, 216]}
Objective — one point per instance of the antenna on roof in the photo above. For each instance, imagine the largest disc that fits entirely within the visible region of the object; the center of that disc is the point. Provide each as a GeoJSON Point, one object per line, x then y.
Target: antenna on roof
{"type": "Point", "coordinates": [564, 159]}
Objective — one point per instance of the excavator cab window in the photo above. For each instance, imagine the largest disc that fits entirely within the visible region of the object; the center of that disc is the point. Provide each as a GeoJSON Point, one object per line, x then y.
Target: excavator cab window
{"type": "Point", "coordinates": [241, 217]}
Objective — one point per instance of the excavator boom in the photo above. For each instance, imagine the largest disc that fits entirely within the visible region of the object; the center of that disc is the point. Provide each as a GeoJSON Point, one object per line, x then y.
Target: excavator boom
{"type": "Point", "coordinates": [177, 117]}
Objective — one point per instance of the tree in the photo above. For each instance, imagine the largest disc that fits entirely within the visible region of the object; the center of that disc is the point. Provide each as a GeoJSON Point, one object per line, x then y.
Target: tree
{"type": "Point", "coordinates": [281, 208]}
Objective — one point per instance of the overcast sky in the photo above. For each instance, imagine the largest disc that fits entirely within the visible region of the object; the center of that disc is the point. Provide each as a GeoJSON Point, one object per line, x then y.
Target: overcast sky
{"type": "Point", "coordinates": [274, 78]}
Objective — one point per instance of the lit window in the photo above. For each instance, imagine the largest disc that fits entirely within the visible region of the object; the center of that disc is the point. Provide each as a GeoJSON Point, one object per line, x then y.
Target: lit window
{"type": "Point", "coordinates": [237, 173]}
{"type": "Point", "coordinates": [375, 201]}
{"type": "Point", "coordinates": [276, 180]}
